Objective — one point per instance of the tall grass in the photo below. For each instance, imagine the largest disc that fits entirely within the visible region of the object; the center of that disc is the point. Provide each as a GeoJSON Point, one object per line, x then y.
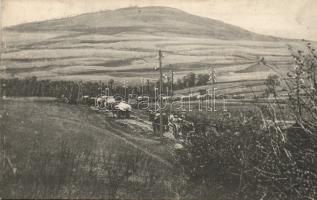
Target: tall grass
{"type": "Point", "coordinates": [70, 166]}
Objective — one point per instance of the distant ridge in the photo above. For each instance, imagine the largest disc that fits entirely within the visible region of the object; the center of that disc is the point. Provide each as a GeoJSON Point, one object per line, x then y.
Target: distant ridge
{"type": "Point", "coordinates": [154, 20]}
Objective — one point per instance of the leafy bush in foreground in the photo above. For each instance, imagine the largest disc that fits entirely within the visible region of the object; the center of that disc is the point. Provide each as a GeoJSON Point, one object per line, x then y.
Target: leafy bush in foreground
{"type": "Point", "coordinates": [247, 157]}
{"type": "Point", "coordinates": [240, 160]}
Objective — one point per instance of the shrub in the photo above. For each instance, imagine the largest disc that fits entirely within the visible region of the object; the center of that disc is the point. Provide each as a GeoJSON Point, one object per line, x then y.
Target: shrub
{"type": "Point", "coordinates": [247, 157]}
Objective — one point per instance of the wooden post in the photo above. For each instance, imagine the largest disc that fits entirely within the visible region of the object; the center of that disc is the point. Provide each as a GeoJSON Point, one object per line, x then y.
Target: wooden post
{"type": "Point", "coordinates": [161, 90]}
{"type": "Point", "coordinates": [142, 85]}
{"type": "Point", "coordinates": [155, 94]}
{"type": "Point", "coordinates": [125, 90]}
{"type": "Point", "coordinates": [148, 87]}
{"type": "Point", "coordinates": [212, 77]}
{"type": "Point", "coordinates": [172, 84]}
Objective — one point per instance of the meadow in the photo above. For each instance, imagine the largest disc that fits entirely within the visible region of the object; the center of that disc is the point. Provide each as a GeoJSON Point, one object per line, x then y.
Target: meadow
{"type": "Point", "coordinates": [55, 150]}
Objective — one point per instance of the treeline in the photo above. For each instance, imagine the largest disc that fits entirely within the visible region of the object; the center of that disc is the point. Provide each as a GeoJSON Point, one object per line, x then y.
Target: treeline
{"type": "Point", "coordinates": [189, 80]}
{"type": "Point", "coordinates": [72, 90]}
{"type": "Point", "coordinates": [75, 90]}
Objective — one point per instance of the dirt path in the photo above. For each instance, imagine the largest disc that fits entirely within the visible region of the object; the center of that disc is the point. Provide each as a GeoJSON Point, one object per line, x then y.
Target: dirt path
{"type": "Point", "coordinates": [105, 125]}
{"type": "Point", "coordinates": [145, 139]}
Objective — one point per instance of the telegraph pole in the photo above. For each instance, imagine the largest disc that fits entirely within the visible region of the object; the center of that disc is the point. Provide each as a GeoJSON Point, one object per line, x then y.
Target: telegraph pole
{"type": "Point", "coordinates": [155, 95]}
{"type": "Point", "coordinates": [142, 85]}
{"type": "Point", "coordinates": [125, 90]}
{"type": "Point", "coordinates": [148, 87]}
{"type": "Point", "coordinates": [161, 90]}
{"type": "Point", "coordinates": [212, 77]}
{"type": "Point", "coordinates": [172, 84]}
{"type": "Point", "coordinates": [100, 88]}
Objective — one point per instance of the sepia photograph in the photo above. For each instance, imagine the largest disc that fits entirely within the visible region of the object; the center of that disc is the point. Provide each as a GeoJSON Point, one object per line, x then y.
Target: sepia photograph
{"type": "Point", "coordinates": [158, 99]}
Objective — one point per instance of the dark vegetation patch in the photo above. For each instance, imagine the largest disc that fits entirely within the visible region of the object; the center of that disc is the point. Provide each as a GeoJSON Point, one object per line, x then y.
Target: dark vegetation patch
{"type": "Point", "coordinates": [117, 63]}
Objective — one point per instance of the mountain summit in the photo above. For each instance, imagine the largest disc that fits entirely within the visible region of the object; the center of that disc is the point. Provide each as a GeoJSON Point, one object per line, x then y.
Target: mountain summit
{"type": "Point", "coordinates": [154, 20]}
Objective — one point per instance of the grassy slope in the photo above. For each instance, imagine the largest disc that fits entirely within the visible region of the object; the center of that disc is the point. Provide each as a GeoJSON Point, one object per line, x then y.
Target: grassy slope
{"type": "Point", "coordinates": [36, 128]}
{"type": "Point", "coordinates": [51, 119]}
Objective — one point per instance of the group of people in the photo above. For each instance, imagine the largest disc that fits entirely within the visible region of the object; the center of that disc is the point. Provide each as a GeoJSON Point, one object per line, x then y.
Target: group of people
{"type": "Point", "coordinates": [176, 124]}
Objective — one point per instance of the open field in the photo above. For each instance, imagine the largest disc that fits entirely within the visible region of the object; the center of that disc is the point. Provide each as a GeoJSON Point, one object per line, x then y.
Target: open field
{"type": "Point", "coordinates": [36, 135]}
{"type": "Point", "coordinates": [123, 54]}
{"type": "Point", "coordinates": [129, 58]}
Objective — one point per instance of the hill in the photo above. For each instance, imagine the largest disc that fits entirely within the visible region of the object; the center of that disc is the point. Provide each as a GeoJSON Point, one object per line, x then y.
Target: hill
{"type": "Point", "coordinates": [123, 44]}
{"type": "Point", "coordinates": [153, 20]}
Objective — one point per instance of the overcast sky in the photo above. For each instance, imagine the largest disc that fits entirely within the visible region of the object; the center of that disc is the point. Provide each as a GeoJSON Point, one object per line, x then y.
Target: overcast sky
{"type": "Point", "coordinates": [284, 18]}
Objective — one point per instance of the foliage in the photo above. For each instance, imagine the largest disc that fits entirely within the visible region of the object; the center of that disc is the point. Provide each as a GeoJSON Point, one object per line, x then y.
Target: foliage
{"type": "Point", "coordinates": [271, 83]}
{"type": "Point", "coordinates": [202, 79]}
{"type": "Point", "coordinates": [71, 90]}
{"type": "Point", "coordinates": [191, 80]}
{"type": "Point", "coordinates": [302, 87]}
{"type": "Point", "coordinates": [246, 156]}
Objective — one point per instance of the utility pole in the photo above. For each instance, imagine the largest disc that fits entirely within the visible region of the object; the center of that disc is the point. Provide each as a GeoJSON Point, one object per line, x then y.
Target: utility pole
{"type": "Point", "coordinates": [125, 90]}
{"type": "Point", "coordinates": [100, 88]}
{"type": "Point", "coordinates": [187, 85]}
{"type": "Point", "coordinates": [155, 95]}
{"type": "Point", "coordinates": [212, 77]}
{"type": "Point", "coordinates": [172, 83]}
{"type": "Point", "coordinates": [142, 85]}
{"type": "Point", "coordinates": [161, 90]}
{"type": "Point", "coordinates": [148, 87]}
